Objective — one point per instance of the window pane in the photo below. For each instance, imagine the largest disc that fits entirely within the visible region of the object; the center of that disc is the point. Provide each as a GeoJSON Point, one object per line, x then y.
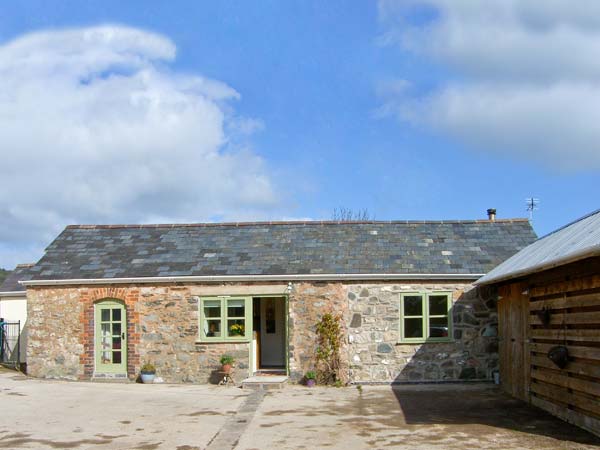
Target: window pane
{"type": "Point", "coordinates": [105, 315]}
{"type": "Point", "coordinates": [438, 305]}
{"type": "Point", "coordinates": [116, 329]}
{"type": "Point", "coordinates": [413, 305]}
{"type": "Point", "coordinates": [236, 308]}
{"type": "Point", "coordinates": [116, 315]}
{"type": "Point", "coordinates": [413, 328]}
{"type": "Point", "coordinates": [236, 327]}
{"type": "Point", "coordinates": [212, 308]}
{"type": "Point", "coordinates": [116, 358]}
{"type": "Point", "coordinates": [106, 332]}
{"type": "Point", "coordinates": [105, 343]}
{"type": "Point", "coordinates": [438, 327]}
{"type": "Point", "coordinates": [212, 328]}
{"type": "Point", "coordinates": [116, 343]}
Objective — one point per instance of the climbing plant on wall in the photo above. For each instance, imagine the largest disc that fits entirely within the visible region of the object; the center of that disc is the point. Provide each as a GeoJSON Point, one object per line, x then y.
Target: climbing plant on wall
{"type": "Point", "coordinates": [329, 340]}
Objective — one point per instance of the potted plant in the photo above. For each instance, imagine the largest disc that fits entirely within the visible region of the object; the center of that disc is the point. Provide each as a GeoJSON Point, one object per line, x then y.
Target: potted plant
{"type": "Point", "coordinates": [237, 329]}
{"type": "Point", "coordinates": [227, 363]}
{"type": "Point", "coordinates": [148, 372]}
{"type": "Point", "coordinates": [311, 378]}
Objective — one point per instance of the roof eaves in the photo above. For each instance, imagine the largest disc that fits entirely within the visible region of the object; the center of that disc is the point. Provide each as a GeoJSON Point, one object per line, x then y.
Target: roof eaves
{"type": "Point", "coordinates": [239, 278]}
{"type": "Point", "coordinates": [13, 294]}
{"type": "Point", "coordinates": [571, 258]}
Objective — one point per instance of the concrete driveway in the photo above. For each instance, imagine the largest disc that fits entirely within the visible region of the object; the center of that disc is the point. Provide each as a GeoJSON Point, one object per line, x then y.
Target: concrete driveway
{"type": "Point", "coordinates": [54, 414]}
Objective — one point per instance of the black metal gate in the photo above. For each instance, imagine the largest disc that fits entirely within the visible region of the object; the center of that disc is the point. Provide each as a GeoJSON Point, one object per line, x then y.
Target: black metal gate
{"type": "Point", "coordinates": [10, 343]}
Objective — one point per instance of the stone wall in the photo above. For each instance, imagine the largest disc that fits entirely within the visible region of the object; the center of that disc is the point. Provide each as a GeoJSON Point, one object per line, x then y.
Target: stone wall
{"type": "Point", "coordinates": [163, 330]}
{"type": "Point", "coordinates": [54, 335]}
{"type": "Point", "coordinates": [307, 304]}
{"type": "Point", "coordinates": [376, 355]}
{"type": "Point", "coordinates": [169, 326]}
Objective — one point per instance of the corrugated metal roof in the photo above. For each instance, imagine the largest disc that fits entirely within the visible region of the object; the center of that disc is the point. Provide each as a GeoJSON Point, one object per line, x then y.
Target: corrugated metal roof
{"type": "Point", "coordinates": [575, 241]}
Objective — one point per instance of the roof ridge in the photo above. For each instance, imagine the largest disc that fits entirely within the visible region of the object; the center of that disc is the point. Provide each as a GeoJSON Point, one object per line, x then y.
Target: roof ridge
{"type": "Point", "coordinates": [299, 222]}
{"type": "Point", "coordinates": [569, 224]}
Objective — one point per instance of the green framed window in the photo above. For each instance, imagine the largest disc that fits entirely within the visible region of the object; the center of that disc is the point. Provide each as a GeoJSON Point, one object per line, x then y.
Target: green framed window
{"type": "Point", "coordinates": [425, 317]}
{"type": "Point", "coordinates": [225, 318]}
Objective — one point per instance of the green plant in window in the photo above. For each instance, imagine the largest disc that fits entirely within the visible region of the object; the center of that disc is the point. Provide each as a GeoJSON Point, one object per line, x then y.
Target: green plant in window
{"type": "Point", "coordinates": [237, 329]}
{"type": "Point", "coordinates": [225, 318]}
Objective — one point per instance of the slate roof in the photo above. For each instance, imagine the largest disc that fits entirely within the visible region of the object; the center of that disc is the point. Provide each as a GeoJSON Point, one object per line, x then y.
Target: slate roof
{"type": "Point", "coordinates": [281, 248]}
{"type": "Point", "coordinates": [21, 273]}
{"type": "Point", "coordinates": [578, 240]}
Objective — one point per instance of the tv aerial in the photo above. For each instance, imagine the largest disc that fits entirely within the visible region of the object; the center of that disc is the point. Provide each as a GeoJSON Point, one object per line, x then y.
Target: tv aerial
{"type": "Point", "coordinates": [532, 205]}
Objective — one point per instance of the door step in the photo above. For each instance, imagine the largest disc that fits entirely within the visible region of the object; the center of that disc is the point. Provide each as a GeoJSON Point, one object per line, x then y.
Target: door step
{"type": "Point", "coordinates": [269, 372]}
{"type": "Point", "coordinates": [110, 378]}
{"type": "Point", "coordinates": [264, 382]}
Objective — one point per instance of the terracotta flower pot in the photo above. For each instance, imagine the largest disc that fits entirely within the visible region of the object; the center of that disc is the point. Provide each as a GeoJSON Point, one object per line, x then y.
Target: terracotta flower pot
{"type": "Point", "coordinates": [226, 368]}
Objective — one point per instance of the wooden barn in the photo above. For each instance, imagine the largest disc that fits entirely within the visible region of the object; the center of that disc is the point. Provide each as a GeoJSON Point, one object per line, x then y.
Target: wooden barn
{"type": "Point", "coordinates": [549, 322]}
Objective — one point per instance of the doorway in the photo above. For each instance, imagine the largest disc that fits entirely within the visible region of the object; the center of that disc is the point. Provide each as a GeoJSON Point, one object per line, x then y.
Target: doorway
{"type": "Point", "coordinates": [110, 337]}
{"type": "Point", "coordinates": [514, 351]}
{"type": "Point", "coordinates": [269, 322]}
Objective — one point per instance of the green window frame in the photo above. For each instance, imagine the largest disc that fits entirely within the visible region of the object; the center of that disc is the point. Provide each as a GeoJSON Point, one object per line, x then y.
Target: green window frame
{"type": "Point", "coordinates": [225, 318]}
{"type": "Point", "coordinates": [426, 317]}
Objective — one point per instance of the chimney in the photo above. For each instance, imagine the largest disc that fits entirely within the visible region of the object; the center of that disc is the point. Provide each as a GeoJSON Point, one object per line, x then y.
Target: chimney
{"type": "Point", "coordinates": [491, 214]}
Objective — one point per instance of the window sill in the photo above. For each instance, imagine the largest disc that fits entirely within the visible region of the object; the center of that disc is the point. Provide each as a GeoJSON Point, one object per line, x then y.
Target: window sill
{"type": "Point", "coordinates": [426, 341]}
{"type": "Point", "coordinates": [222, 341]}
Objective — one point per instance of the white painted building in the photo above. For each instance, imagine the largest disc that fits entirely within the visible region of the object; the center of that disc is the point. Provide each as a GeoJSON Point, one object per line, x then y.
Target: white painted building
{"type": "Point", "coordinates": [13, 306]}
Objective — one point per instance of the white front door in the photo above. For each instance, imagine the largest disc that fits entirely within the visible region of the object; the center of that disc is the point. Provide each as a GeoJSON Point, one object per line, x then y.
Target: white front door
{"type": "Point", "coordinates": [272, 334]}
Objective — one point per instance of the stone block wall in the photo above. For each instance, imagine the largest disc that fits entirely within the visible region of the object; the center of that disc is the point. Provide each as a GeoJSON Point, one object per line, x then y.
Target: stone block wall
{"type": "Point", "coordinates": [163, 330]}
{"type": "Point", "coordinates": [375, 351]}
{"type": "Point", "coordinates": [54, 333]}
{"type": "Point", "coordinates": [307, 304]}
{"type": "Point", "coordinates": [168, 322]}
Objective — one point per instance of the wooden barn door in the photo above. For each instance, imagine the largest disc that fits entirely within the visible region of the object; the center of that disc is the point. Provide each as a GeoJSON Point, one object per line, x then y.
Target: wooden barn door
{"type": "Point", "coordinates": [513, 324]}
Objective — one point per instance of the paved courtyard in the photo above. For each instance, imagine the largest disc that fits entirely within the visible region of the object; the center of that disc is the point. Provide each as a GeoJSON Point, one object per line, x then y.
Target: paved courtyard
{"type": "Point", "coordinates": [40, 414]}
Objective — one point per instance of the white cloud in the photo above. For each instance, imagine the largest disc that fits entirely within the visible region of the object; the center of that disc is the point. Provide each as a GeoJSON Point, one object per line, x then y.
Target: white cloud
{"type": "Point", "coordinates": [526, 75]}
{"type": "Point", "coordinates": [95, 128]}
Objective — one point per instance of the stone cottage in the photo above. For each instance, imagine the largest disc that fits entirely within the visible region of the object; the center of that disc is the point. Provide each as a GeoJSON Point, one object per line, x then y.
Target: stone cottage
{"type": "Point", "coordinates": [104, 299]}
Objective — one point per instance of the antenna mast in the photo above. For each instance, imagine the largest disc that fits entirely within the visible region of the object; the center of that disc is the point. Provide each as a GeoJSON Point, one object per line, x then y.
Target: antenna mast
{"type": "Point", "coordinates": [532, 204]}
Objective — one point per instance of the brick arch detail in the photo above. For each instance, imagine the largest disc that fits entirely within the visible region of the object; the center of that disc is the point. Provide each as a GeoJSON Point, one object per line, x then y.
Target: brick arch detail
{"type": "Point", "coordinates": [88, 299]}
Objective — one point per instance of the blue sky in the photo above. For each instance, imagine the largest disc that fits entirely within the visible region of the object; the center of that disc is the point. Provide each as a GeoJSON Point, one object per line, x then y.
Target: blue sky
{"type": "Point", "coordinates": [309, 106]}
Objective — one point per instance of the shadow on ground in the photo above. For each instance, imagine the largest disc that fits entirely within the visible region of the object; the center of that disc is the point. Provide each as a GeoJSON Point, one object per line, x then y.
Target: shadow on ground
{"type": "Point", "coordinates": [428, 417]}
{"type": "Point", "coordinates": [472, 355]}
{"type": "Point", "coordinates": [489, 407]}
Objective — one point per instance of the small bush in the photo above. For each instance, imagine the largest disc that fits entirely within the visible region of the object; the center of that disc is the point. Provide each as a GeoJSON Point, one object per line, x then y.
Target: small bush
{"type": "Point", "coordinates": [310, 375]}
{"type": "Point", "coordinates": [148, 368]}
{"type": "Point", "coordinates": [227, 360]}
{"type": "Point", "coordinates": [329, 337]}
